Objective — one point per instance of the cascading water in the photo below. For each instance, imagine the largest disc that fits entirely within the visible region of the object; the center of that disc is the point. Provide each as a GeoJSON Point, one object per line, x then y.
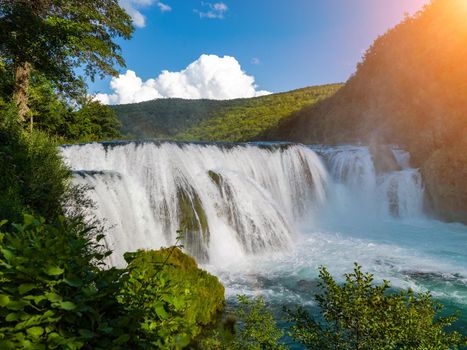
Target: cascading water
{"type": "Point", "coordinates": [263, 217]}
{"type": "Point", "coordinates": [358, 189]}
{"type": "Point", "coordinates": [234, 200]}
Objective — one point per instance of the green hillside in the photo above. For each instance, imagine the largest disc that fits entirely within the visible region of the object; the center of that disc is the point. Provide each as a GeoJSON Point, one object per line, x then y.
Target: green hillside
{"type": "Point", "coordinates": [411, 90]}
{"type": "Point", "coordinates": [211, 120]}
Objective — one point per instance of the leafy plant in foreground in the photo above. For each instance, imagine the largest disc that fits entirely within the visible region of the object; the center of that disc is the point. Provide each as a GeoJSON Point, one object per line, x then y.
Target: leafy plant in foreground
{"type": "Point", "coordinates": [364, 316]}
{"type": "Point", "coordinates": [53, 293]}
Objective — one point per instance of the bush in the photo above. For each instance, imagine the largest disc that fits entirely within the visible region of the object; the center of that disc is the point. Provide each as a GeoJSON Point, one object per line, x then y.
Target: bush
{"type": "Point", "coordinates": [53, 293]}
{"type": "Point", "coordinates": [361, 315]}
{"type": "Point", "coordinates": [258, 329]}
{"type": "Point", "coordinates": [34, 178]}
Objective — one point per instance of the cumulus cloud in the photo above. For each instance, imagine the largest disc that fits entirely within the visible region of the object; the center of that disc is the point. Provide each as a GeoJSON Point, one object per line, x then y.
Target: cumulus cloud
{"type": "Point", "coordinates": [255, 61]}
{"type": "Point", "coordinates": [210, 76]}
{"type": "Point", "coordinates": [164, 7]}
{"type": "Point", "coordinates": [133, 7]}
{"type": "Point", "coordinates": [215, 10]}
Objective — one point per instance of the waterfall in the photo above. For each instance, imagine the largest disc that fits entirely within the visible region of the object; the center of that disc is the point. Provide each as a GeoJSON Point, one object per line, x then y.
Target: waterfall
{"type": "Point", "coordinates": [226, 201]}
{"type": "Point", "coordinates": [359, 191]}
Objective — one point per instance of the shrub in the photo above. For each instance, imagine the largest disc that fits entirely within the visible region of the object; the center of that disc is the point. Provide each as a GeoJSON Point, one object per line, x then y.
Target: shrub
{"type": "Point", "coordinates": [53, 293]}
{"type": "Point", "coordinates": [361, 315]}
{"type": "Point", "coordinates": [258, 328]}
{"type": "Point", "coordinates": [34, 178]}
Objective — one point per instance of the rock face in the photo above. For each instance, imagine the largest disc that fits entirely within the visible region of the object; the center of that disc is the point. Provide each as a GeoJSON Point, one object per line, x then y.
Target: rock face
{"type": "Point", "coordinates": [410, 90]}
{"type": "Point", "coordinates": [445, 174]}
{"type": "Point", "coordinates": [383, 158]}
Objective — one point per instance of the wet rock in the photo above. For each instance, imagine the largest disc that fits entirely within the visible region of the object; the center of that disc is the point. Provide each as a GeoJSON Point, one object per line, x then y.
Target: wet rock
{"type": "Point", "coordinates": [383, 158]}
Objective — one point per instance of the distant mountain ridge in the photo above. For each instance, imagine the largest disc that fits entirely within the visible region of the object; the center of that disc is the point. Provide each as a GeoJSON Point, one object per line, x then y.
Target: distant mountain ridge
{"type": "Point", "coordinates": [216, 120]}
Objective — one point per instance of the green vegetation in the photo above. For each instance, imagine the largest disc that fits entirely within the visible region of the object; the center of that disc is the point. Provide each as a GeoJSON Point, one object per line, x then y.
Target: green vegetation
{"type": "Point", "coordinates": [177, 298]}
{"type": "Point", "coordinates": [83, 120]}
{"type": "Point", "coordinates": [355, 315]}
{"type": "Point", "coordinates": [34, 178]}
{"type": "Point", "coordinates": [208, 120]}
{"type": "Point", "coordinates": [52, 293]}
{"type": "Point", "coordinates": [365, 316]}
{"type": "Point", "coordinates": [54, 37]}
{"type": "Point", "coordinates": [192, 218]}
{"type": "Point", "coordinates": [258, 328]}
{"type": "Point", "coordinates": [409, 90]}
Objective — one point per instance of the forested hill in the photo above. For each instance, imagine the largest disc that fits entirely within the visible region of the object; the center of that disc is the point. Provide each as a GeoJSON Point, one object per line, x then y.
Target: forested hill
{"type": "Point", "coordinates": [211, 120]}
{"type": "Point", "coordinates": [411, 90]}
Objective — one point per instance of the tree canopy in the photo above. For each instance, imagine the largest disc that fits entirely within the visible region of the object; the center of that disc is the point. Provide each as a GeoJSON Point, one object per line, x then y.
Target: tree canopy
{"type": "Point", "coordinates": [55, 37]}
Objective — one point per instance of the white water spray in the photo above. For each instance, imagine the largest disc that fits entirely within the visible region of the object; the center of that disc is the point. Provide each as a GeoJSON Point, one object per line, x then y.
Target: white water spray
{"type": "Point", "coordinates": [227, 200]}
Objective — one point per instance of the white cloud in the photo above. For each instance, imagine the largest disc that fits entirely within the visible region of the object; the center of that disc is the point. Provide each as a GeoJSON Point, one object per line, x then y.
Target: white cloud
{"type": "Point", "coordinates": [210, 76]}
{"type": "Point", "coordinates": [164, 7]}
{"type": "Point", "coordinates": [255, 61]}
{"type": "Point", "coordinates": [213, 10]}
{"type": "Point", "coordinates": [133, 7]}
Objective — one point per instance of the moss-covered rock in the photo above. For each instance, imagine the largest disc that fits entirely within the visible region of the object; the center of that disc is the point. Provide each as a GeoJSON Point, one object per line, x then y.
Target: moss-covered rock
{"type": "Point", "coordinates": [205, 292]}
{"type": "Point", "coordinates": [193, 223]}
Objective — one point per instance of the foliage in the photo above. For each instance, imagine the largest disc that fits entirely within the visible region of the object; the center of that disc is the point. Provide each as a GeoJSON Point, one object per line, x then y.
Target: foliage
{"type": "Point", "coordinates": [92, 122]}
{"type": "Point", "coordinates": [209, 120]}
{"type": "Point", "coordinates": [53, 293]}
{"type": "Point", "coordinates": [174, 297]}
{"type": "Point", "coordinates": [361, 315]}
{"type": "Point", "coordinates": [34, 178]}
{"type": "Point", "coordinates": [258, 329]}
{"type": "Point", "coordinates": [56, 36]}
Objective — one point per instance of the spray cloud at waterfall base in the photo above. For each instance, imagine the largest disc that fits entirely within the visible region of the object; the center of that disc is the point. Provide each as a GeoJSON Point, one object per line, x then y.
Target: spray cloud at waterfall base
{"type": "Point", "coordinates": [263, 217]}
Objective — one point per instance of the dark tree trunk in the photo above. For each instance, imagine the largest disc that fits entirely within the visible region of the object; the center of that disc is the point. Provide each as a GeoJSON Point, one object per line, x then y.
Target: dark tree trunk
{"type": "Point", "coordinates": [21, 93]}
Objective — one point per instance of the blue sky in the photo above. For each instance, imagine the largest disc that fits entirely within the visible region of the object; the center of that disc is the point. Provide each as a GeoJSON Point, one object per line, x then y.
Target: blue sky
{"type": "Point", "coordinates": [282, 44]}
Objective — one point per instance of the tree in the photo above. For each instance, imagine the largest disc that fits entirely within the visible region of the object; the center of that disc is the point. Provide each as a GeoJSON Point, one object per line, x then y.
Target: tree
{"type": "Point", "coordinates": [92, 122]}
{"type": "Point", "coordinates": [362, 316]}
{"type": "Point", "coordinates": [54, 37]}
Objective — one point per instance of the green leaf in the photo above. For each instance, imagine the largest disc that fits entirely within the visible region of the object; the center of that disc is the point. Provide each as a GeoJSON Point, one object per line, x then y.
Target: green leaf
{"type": "Point", "coordinates": [160, 311]}
{"type": "Point", "coordinates": [26, 287]}
{"type": "Point", "coordinates": [14, 316]}
{"type": "Point", "coordinates": [8, 254]}
{"type": "Point", "coordinates": [67, 305]}
{"type": "Point", "coordinates": [35, 331]}
{"type": "Point", "coordinates": [54, 297]}
{"type": "Point", "coordinates": [4, 300]}
{"type": "Point", "coordinates": [7, 345]}
{"type": "Point", "coordinates": [16, 305]}
{"type": "Point", "coordinates": [28, 220]}
{"type": "Point", "coordinates": [122, 339]}
{"type": "Point", "coordinates": [86, 333]}
{"type": "Point", "coordinates": [73, 282]}
{"type": "Point", "coordinates": [54, 270]}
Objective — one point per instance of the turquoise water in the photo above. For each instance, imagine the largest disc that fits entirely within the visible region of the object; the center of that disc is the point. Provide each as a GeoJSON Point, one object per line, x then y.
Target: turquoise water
{"type": "Point", "coordinates": [425, 255]}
